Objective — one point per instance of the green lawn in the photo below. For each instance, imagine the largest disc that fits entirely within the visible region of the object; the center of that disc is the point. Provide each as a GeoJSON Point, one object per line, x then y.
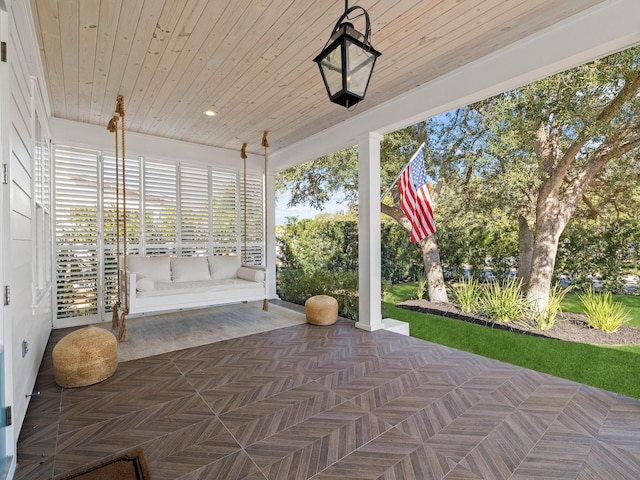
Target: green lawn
{"type": "Point", "coordinates": [610, 368]}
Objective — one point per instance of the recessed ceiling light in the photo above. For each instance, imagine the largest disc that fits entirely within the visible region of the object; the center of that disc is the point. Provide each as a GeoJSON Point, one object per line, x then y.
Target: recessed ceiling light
{"type": "Point", "coordinates": [210, 113]}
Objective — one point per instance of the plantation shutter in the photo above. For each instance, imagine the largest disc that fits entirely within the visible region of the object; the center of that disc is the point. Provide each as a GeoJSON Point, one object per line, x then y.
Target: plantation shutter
{"type": "Point", "coordinates": [225, 230]}
{"type": "Point", "coordinates": [255, 208]}
{"type": "Point", "coordinates": [171, 208]}
{"type": "Point", "coordinates": [194, 210]}
{"type": "Point", "coordinates": [110, 230]}
{"type": "Point", "coordinates": [42, 204]}
{"type": "Point", "coordinates": [160, 208]}
{"type": "Point", "coordinates": [76, 186]}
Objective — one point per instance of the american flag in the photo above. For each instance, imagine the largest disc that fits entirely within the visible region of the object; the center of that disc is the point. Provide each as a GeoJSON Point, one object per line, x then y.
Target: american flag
{"type": "Point", "coordinates": [416, 201]}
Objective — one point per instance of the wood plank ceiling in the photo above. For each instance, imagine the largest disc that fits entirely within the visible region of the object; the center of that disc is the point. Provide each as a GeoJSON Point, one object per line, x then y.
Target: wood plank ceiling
{"type": "Point", "coordinates": [251, 60]}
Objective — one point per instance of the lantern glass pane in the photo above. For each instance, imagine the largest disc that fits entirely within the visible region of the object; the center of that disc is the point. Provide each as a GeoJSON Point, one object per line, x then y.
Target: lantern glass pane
{"type": "Point", "coordinates": [359, 67]}
{"type": "Point", "coordinates": [331, 66]}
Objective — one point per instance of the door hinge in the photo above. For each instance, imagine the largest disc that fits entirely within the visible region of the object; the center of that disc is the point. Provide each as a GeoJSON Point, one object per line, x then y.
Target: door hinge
{"type": "Point", "coordinates": [8, 420]}
{"type": "Point", "coordinates": [3, 51]}
{"type": "Point", "coordinates": [7, 295]}
{"type": "Point", "coordinates": [5, 173]}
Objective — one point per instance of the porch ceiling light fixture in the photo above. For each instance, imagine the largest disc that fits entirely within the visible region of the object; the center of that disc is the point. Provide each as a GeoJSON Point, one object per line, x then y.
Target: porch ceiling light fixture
{"type": "Point", "coordinates": [347, 60]}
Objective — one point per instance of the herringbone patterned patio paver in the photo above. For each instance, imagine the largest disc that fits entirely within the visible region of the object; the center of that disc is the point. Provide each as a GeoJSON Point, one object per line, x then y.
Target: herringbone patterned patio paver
{"type": "Point", "coordinates": [332, 402]}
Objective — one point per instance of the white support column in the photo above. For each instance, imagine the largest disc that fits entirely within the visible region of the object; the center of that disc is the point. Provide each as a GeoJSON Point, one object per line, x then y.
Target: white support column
{"type": "Point", "coordinates": [270, 188]}
{"type": "Point", "coordinates": [370, 269]}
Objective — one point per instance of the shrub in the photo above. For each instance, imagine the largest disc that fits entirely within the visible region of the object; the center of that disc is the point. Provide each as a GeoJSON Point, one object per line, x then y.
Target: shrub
{"type": "Point", "coordinates": [295, 286]}
{"type": "Point", "coordinates": [602, 312]}
{"type": "Point", "coordinates": [547, 319]}
{"type": "Point", "coordinates": [467, 295]}
{"type": "Point", "coordinates": [421, 286]}
{"type": "Point", "coordinates": [504, 302]}
{"type": "Point", "coordinates": [330, 243]}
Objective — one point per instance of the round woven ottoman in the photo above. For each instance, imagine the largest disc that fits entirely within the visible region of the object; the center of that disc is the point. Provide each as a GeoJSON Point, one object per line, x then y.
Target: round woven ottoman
{"type": "Point", "coordinates": [321, 310]}
{"type": "Point", "coordinates": [84, 357]}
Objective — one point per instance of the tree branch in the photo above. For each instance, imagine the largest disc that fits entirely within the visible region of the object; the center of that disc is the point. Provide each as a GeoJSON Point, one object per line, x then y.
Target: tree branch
{"type": "Point", "coordinates": [593, 212]}
{"type": "Point", "coordinates": [397, 214]}
{"type": "Point", "coordinates": [608, 112]}
{"type": "Point", "coordinates": [578, 185]}
{"type": "Point", "coordinates": [437, 191]}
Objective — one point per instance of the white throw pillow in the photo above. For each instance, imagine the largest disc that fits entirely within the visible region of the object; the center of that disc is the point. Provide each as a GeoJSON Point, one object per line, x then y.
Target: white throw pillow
{"type": "Point", "coordinates": [190, 269]}
{"type": "Point", "coordinates": [224, 266]}
{"type": "Point", "coordinates": [156, 268]}
{"type": "Point", "coordinates": [250, 274]}
{"type": "Point", "coordinates": [145, 284]}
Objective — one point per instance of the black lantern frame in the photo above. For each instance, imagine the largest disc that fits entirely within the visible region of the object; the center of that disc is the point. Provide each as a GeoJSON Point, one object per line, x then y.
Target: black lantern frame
{"type": "Point", "coordinates": [347, 60]}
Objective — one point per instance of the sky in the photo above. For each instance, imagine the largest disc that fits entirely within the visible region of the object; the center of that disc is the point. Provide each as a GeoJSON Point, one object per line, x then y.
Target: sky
{"type": "Point", "coordinates": [302, 211]}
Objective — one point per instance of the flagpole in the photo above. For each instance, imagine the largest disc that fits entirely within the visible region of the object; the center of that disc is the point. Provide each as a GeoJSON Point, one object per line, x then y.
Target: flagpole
{"type": "Point", "coordinates": [403, 169]}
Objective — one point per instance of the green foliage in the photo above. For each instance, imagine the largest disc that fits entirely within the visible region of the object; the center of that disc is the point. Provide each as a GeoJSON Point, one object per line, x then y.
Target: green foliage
{"type": "Point", "coordinates": [313, 183]}
{"type": "Point", "coordinates": [476, 239]}
{"type": "Point", "coordinates": [602, 247]}
{"type": "Point", "coordinates": [572, 303]}
{"type": "Point", "coordinates": [547, 319]}
{"type": "Point", "coordinates": [421, 286]}
{"type": "Point", "coordinates": [467, 294]}
{"type": "Point", "coordinates": [602, 312]}
{"type": "Point", "coordinates": [401, 259]}
{"type": "Point", "coordinates": [577, 118]}
{"type": "Point", "coordinates": [503, 301]}
{"type": "Point", "coordinates": [296, 286]}
{"type": "Point", "coordinates": [320, 244]}
{"type": "Point", "coordinates": [320, 256]}
{"type": "Point", "coordinates": [330, 242]}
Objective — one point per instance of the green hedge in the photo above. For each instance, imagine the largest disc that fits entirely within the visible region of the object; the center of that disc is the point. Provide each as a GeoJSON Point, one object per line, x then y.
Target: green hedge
{"type": "Point", "coordinates": [330, 243]}
{"type": "Point", "coordinates": [296, 286]}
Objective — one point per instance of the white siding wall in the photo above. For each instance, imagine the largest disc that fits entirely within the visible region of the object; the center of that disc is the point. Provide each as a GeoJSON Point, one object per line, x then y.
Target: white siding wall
{"type": "Point", "coordinates": [29, 315]}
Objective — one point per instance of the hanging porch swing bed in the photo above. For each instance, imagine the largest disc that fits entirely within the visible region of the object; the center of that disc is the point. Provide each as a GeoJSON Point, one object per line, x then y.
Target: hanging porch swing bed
{"type": "Point", "coordinates": [162, 283]}
{"type": "Point", "coordinates": [150, 284]}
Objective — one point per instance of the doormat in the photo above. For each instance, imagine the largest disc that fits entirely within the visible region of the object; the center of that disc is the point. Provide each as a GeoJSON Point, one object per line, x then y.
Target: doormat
{"type": "Point", "coordinates": [131, 465]}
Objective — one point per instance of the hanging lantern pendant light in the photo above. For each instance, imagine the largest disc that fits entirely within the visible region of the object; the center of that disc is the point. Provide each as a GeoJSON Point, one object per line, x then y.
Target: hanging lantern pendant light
{"type": "Point", "coordinates": [347, 60]}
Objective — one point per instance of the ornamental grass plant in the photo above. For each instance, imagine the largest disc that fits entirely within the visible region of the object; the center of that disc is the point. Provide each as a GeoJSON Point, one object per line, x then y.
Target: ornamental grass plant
{"type": "Point", "coordinates": [602, 312]}
{"type": "Point", "coordinates": [421, 286]}
{"type": "Point", "coordinates": [503, 302]}
{"type": "Point", "coordinates": [466, 295]}
{"type": "Point", "coordinates": [547, 319]}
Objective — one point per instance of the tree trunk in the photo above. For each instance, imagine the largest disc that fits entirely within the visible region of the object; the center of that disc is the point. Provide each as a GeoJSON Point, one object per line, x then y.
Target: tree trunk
{"type": "Point", "coordinates": [525, 250]}
{"type": "Point", "coordinates": [430, 256]}
{"type": "Point", "coordinates": [552, 215]}
{"type": "Point", "coordinates": [433, 269]}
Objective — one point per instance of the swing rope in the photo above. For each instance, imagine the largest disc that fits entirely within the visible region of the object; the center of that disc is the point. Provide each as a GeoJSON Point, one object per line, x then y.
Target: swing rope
{"type": "Point", "coordinates": [265, 144]}
{"type": "Point", "coordinates": [113, 127]}
{"type": "Point", "coordinates": [243, 154]}
{"type": "Point", "coordinates": [122, 325]}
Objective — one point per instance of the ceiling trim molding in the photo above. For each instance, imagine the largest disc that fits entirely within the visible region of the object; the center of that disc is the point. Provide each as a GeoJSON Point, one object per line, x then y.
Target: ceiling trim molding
{"type": "Point", "coordinates": [95, 137]}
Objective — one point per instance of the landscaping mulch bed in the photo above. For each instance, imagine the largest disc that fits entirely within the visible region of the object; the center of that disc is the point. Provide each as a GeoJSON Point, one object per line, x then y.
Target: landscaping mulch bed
{"type": "Point", "coordinates": [568, 326]}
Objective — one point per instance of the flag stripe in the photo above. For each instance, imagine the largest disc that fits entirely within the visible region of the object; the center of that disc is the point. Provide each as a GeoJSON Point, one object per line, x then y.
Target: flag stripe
{"type": "Point", "coordinates": [415, 198]}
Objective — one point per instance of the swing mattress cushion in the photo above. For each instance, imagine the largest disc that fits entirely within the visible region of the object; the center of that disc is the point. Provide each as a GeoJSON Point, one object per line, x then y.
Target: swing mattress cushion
{"type": "Point", "coordinates": [203, 286]}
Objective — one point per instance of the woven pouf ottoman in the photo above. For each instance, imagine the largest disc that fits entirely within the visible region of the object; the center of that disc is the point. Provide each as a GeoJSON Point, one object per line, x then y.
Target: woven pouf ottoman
{"type": "Point", "coordinates": [84, 357]}
{"type": "Point", "coordinates": [321, 310]}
